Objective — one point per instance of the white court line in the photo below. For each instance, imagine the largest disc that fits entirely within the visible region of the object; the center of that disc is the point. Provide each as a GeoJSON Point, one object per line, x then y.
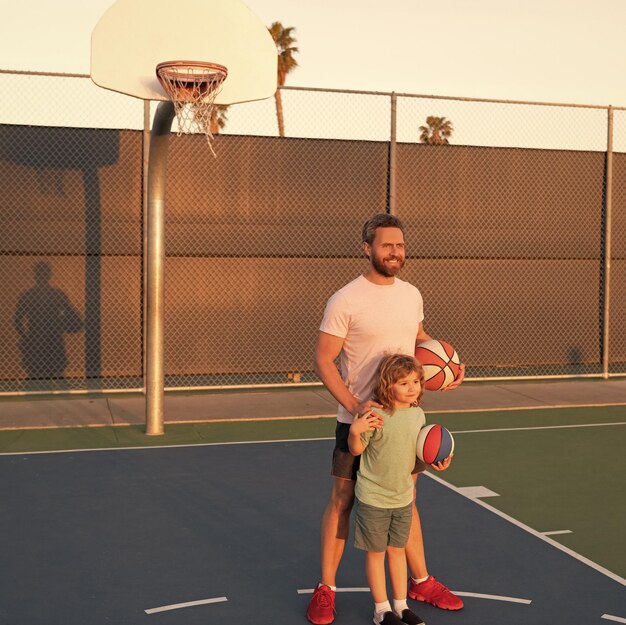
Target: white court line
{"type": "Point", "coordinates": [478, 595]}
{"type": "Point", "coordinates": [188, 604]}
{"type": "Point", "coordinates": [530, 530]}
{"type": "Point", "coordinates": [615, 619]}
{"type": "Point", "coordinates": [309, 591]}
{"type": "Point", "coordinates": [284, 440]}
{"type": "Point", "coordinates": [182, 446]}
{"type": "Point", "coordinates": [520, 408]}
{"type": "Point", "coordinates": [539, 427]}
{"type": "Point", "coordinates": [556, 532]}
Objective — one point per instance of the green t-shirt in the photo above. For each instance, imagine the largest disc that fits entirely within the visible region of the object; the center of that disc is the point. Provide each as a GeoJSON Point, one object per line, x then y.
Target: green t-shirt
{"type": "Point", "coordinates": [384, 477]}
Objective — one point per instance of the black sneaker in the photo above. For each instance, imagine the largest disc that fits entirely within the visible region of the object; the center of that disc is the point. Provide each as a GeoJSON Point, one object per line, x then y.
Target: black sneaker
{"type": "Point", "coordinates": [389, 618]}
{"type": "Point", "coordinates": [410, 618]}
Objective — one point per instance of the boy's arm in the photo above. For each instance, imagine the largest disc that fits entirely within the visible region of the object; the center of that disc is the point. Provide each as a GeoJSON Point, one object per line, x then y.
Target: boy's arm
{"type": "Point", "coordinates": [355, 444]}
{"type": "Point", "coordinates": [444, 464]}
{"type": "Point", "coordinates": [367, 422]}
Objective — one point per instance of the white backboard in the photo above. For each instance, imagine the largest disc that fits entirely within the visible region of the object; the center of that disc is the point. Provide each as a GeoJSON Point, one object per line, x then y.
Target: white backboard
{"type": "Point", "coordinates": [134, 36]}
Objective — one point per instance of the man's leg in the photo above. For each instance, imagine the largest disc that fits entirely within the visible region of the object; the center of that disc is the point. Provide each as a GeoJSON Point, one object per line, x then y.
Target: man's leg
{"type": "Point", "coordinates": [334, 534]}
{"type": "Point", "coordinates": [429, 590]}
{"type": "Point", "coordinates": [415, 555]}
{"type": "Point", "coordinates": [335, 528]}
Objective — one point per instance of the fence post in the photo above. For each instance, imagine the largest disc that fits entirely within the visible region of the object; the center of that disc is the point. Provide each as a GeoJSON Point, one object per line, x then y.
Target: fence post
{"type": "Point", "coordinates": [145, 147]}
{"type": "Point", "coordinates": [392, 156]}
{"type": "Point", "coordinates": [606, 283]}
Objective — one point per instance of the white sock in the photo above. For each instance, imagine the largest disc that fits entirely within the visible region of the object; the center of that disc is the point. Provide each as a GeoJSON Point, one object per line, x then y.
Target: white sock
{"type": "Point", "coordinates": [380, 609]}
{"type": "Point", "coordinates": [419, 580]}
{"type": "Point", "coordinates": [333, 588]}
{"type": "Point", "coordinates": [399, 605]}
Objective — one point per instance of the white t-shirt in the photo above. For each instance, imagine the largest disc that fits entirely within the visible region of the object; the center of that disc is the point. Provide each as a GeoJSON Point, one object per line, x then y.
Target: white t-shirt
{"type": "Point", "coordinates": [374, 320]}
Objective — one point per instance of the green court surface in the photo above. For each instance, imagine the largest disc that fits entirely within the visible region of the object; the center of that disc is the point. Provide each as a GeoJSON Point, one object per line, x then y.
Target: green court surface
{"type": "Point", "coordinates": [554, 479]}
{"type": "Point", "coordinates": [554, 470]}
{"type": "Point", "coordinates": [105, 437]}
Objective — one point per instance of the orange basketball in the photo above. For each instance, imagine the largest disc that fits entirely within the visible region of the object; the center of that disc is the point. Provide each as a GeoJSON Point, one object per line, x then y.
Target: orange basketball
{"type": "Point", "coordinates": [440, 361]}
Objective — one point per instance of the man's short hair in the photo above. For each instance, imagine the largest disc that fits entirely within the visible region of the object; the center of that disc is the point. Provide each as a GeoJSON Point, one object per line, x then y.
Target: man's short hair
{"type": "Point", "coordinates": [381, 220]}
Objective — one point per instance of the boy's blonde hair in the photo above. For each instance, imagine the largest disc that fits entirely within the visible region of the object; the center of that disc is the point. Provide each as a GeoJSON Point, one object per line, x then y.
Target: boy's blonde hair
{"type": "Point", "coordinates": [391, 369]}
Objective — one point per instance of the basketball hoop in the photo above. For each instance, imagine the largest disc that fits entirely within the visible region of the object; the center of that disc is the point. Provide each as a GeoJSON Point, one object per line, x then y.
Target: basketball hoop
{"type": "Point", "coordinates": [193, 86]}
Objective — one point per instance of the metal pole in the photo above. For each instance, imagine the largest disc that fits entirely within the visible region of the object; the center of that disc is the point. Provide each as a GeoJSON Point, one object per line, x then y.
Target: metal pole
{"type": "Point", "coordinates": [145, 150]}
{"type": "Point", "coordinates": [155, 254]}
{"type": "Point", "coordinates": [608, 208]}
{"type": "Point", "coordinates": [392, 155]}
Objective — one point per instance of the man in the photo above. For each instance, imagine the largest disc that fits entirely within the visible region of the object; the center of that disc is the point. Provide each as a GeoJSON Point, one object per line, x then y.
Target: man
{"type": "Point", "coordinates": [371, 316]}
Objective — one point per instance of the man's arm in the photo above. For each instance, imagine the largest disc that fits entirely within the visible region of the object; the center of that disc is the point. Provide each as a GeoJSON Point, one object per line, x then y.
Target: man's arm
{"type": "Point", "coordinates": [326, 352]}
{"type": "Point", "coordinates": [422, 336]}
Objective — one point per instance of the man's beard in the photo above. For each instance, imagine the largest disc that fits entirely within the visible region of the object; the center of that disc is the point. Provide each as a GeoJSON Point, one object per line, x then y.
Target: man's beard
{"type": "Point", "coordinates": [386, 270]}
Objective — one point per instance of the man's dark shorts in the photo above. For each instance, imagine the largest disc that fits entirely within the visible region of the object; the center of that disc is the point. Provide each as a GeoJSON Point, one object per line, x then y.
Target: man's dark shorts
{"type": "Point", "coordinates": [345, 465]}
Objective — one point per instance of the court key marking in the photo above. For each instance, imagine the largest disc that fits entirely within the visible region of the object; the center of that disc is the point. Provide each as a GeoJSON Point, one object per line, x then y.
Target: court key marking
{"type": "Point", "coordinates": [477, 491]}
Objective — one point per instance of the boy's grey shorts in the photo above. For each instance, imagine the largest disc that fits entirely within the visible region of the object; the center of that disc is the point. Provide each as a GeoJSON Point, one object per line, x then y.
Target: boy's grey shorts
{"type": "Point", "coordinates": [375, 529]}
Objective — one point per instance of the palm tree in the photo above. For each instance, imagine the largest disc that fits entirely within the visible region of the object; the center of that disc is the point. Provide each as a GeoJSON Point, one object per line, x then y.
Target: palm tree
{"type": "Point", "coordinates": [437, 131]}
{"type": "Point", "coordinates": [285, 40]}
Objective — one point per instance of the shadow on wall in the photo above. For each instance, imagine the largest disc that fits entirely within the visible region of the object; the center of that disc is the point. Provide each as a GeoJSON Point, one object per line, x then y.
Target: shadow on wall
{"type": "Point", "coordinates": [44, 314]}
{"type": "Point", "coordinates": [47, 149]}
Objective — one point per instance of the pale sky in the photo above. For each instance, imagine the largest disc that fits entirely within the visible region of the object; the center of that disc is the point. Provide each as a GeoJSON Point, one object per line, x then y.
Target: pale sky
{"type": "Point", "coordinates": [570, 51]}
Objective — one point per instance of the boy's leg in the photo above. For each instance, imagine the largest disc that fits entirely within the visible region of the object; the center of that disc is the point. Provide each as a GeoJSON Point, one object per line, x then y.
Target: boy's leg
{"type": "Point", "coordinates": [375, 529]}
{"type": "Point", "coordinates": [375, 572]}
{"type": "Point", "coordinates": [397, 571]}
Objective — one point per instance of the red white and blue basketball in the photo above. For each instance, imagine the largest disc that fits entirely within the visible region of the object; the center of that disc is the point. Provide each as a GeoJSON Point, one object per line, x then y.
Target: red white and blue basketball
{"type": "Point", "coordinates": [434, 444]}
{"type": "Point", "coordinates": [440, 361]}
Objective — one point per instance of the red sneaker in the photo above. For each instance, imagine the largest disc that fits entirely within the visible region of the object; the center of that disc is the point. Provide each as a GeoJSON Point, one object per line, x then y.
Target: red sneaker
{"type": "Point", "coordinates": [434, 592]}
{"type": "Point", "coordinates": [321, 610]}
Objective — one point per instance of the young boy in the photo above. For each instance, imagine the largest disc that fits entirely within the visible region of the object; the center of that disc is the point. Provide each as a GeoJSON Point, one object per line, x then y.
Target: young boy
{"type": "Point", "coordinates": [386, 440]}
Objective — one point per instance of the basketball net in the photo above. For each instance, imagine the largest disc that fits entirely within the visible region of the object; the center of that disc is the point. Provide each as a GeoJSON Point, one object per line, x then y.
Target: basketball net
{"type": "Point", "coordinates": [193, 86]}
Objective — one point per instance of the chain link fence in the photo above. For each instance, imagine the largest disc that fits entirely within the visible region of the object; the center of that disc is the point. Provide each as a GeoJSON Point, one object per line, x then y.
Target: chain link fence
{"type": "Point", "coordinates": [516, 233]}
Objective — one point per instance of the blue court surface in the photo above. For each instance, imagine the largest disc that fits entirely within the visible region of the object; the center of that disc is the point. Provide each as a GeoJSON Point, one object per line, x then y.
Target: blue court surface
{"type": "Point", "coordinates": [229, 533]}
